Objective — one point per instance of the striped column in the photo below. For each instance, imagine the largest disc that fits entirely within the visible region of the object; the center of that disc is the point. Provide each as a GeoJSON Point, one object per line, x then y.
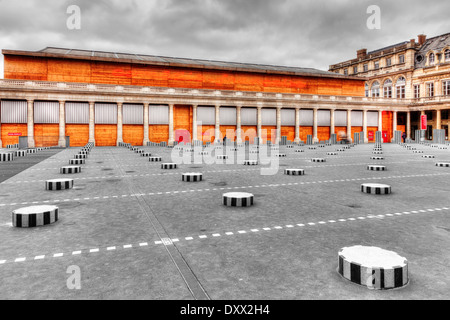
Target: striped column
{"type": "Point", "coordinates": [259, 123]}
{"type": "Point", "coordinates": [62, 124]}
{"type": "Point", "coordinates": [171, 126]}
{"type": "Point", "coordinates": [217, 133]}
{"type": "Point", "coordinates": [92, 122]}
{"type": "Point", "coordinates": [194, 124]}
{"type": "Point", "coordinates": [278, 137]}
{"type": "Point", "coordinates": [30, 123]}
{"type": "Point", "coordinates": [380, 122]}
{"type": "Point", "coordinates": [332, 122]}
{"type": "Point", "coordinates": [366, 139]}
{"type": "Point", "coordinates": [146, 125]}
{"type": "Point", "coordinates": [297, 125]}
{"type": "Point", "coordinates": [119, 122]}
{"type": "Point", "coordinates": [315, 137]}
{"type": "Point", "coordinates": [408, 125]}
{"type": "Point", "coordinates": [238, 125]}
{"type": "Point", "coordinates": [349, 125]}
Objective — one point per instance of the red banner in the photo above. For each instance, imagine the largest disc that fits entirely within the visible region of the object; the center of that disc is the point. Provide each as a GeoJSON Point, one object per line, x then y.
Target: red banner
{"type": "Point", "coordinates": [15, 134]}
{"type": "Point", "coordinates": [423, 121]}
{"type": "Point", "coordinates": [371, 135]}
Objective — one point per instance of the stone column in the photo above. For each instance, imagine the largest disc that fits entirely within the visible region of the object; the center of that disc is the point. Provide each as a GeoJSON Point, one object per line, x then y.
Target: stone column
{"type": "Point", "coordinates": [146, 125]}
{"type": "Point", "coordinates": [92, 122]}
{"type": "Point", "coordinates": [438, 120]}
{"type": "Point", "coordinates": [171, 126]}
{"type": "Point", "coordinates": [1, 145]}
{"type": "Point", "coordinates": [259, 123]}
{"type": "Point", "coordinates": [332, 122]}
{"type": "Point", "coordinates": [349, 125]}
{"type": "Point", "coordinates": [408, 125]}
{"type": "Point", "coordinates": [238, 125]}
{"type": "Point", "coordinates": [278, 137]}
{"type": "Point", "coordinates": [194, 124]}
{"type": "Point", "coordinates": [297, 125]}
{"type": "Point", "coordinates": [217, 131]}
{"type": "Point", "coordinates": [315, 137]}
{"type": "Point", "coordinates": [380, 120]}
{"type": "Point", "coordinates": [366, 139]}
{"type": "Point", "coordinates": [62, 124]}
{"type": "Point", "coordinates": [394, 121]}
{"type": "Point", "coordinates": [30, 124]}
{"type": "Point", "coordinates": [119, 122]}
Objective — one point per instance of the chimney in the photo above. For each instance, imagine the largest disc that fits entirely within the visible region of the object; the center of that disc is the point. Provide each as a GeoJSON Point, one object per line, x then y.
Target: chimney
{"type": "Point", "coordinates": [413, 41]}
{"type": "Point", "coordinates": [360, 54]}
{"type": "Point", "coordinates": [422, 39]}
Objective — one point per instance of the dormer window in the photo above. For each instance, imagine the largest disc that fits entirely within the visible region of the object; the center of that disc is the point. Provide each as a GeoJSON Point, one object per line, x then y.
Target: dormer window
{"type": "Point", "coordinates": [447, 55]}
{"type": "Point", "coordinates": [431, 58]}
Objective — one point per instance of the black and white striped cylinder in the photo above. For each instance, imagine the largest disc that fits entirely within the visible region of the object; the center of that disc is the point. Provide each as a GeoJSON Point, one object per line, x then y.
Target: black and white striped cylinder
{"type": "Point", "coordinates": [39, 149]}
{"type": "Point", "coordinates": [332, 154]}
{"type": "Point", "coordinates": [428, 156]}
{"type": "Point", "coordinates": [321, 146]}
{"type": "Point", "coordinates": [238, 199]}
{"type": "Point", "coordinates": [169, 166]}
{"type": "Point", "coordinates": [377, 158]}
{"type": "Point", "coordinates": [340, 150]}
{"type": "Point", "coordinates": [318, 160]}
{"type": "Point", "coordinates": [20, 153]}
{"type": "Point", "coordinates": [6, 157]}
{"type": "Point", "coordinates": [155, 159]}
{"type": "Point", "coordinates": [372, 167]}
{"type": "Point", "coordinates": [377, 152]}
{"type": "Point", "coordinates": [299, 150]}
{"type": "Point", "coordinates": [373, 267]}
{"type": "Point", "coordinates": [58, 184]}
{"type": "Point", "coordinates": [70, 170]}
{"type": "Point", "coordinates": [346, 147]}
{"type": "Point", "coordinates": [294, 172]}
{"type": "Point", "coordinates": [250, 162]}
{"type": "Point", "coordinates": [146, 154]}
{"type": "Point", "coordinates": [376, 188]}
{"type": "Point", "coordinates": [192, 177]}
{"type": "Point", "coordinates": [312, 148]}
{"type": "Point", "coordinates": [83, 152]}
{"type": "Point", "coordinates": [443, 164]}
{"type": "Point", "coordinates": [221, 157]}
{"type": "Point", "coordinates": [80, 156]}
{"type": "Point", "coordinates": [204, 153]}
{"type": "Point", "coordinates": [35, 216]}
{"type": "Point", "coordinates": [417, 151]}
{"type": "Point", "coordinates": [442, 148]}
{"type": "Point", "coordinates": [31, 151]}
{"type": "Point", "coordinates": [139, 151]}
{"type": "Point", "coordinates": [254, 151]}
{"type": "Point", "coordinates": [280, 155]}
{"type": "Point", "coordinates": [290, 147]}
{"type": "Point", "coordinates": [77, 161]}
{"type": "Point", "coordinates": [377, 149]}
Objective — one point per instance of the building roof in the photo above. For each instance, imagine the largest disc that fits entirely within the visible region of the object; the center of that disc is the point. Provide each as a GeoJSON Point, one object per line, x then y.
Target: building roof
{"type": "Point", "coordinates": [387, 48]}
{"type": "Point", "coordinates": [77, 54]}
{"type": "Point", "coordinates": [435, 44]}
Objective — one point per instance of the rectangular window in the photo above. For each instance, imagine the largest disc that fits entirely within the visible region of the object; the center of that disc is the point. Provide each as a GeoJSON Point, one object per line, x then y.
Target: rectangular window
{"type": "Point", "coordinates": [401, 93]}
{"type": "Point", "coordinates": [355, 70]}
{"type": "Point", "coordinates": [388, 92]}
{"type": "Point", "coordinates": [346, 72]}
{"type": "Point", "coordinates": [401, 58]}
{"type": "Point", "coordinates": [377, 65]}
{"type": "Point", "coordinates": [417, 91]}
{"type": "Point", "coordinates": [430, 89]}
{"type": "Point", "coordinates": [446, 88]}
{"type": "Point", "coordinates": [388, 62]}
{"type": "Point", "coordinates": [366, 67]}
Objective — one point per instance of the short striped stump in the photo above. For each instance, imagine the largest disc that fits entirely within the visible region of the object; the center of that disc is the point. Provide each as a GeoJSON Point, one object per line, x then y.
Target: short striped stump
{"type": "Point", "coordinates": [376, 168]}
{"type": "Point", "coordinates": [442, 148]}
{"type": "Point", "coordinates": [318, 160]}
{"type": "Point", "coordinates": [443, 164]}
{"type": "Point", "coordinates": [250, 162]}
{"type": "Point", "coordinates": [58, 184]}
{"type": "Point", "coordinates": [321, 146]}
{"type": "Point", "coordinates": [139, 151]}
{"type": "Point", "coordinates": [289, 147]}
{"type": "Point", "coordinates": [233, 149]}
{"type": "Point", "coordinates": [188, 150]}
{"type": "Point", "coordinates": [254, 151]}
{"type": "Point", "coordinates": [169, 166]}
{"type": "Point", "coordinates": [280, 155]}
{"type": "Point", "coordinates": [373, 267]}
{"type": "Point", "coordinates": [77, 161]}
{"type": "Point", "coordinates": [294, 172]}
{"type": "Point", "coordinates": [312, 148]}
{"type": "Point", "coordinates": [222, 157]}
{"type": "Point", "coordinates": [428, 156]}
{"type": "Point", "coordinates": [70, 170]}
{"type": "Point", "coordinates": [340, 150]}
{"type": "Point", "coordinates": [377, 158]}
{"type": "Point", "coordinates": [192, 177]}
{"type": "Point", "coordinates": [299, 150]}
{"type": "Point", "coordinates": [146, 154]}
{"type": "Point", "coordinates": [377, 149]}
{"type": "Point", "coordinates": [417, 151]}
{"type": "Point", "coordinates": [377, 152]}
{"type": "Point", "coordinates": [237, 199]}
{"type": "Point", "coordinates": [80, 156]}
{"type": "Point", "coordinates": [35, 216]}
{"type": "Point", "coordinates": [31, 151]}
{"type": "Point", "coordinates": [375, 188]}
{"type": "Point", "coordinates": [346, 147]}
{"type": "Point", "coordinates": [204, 153]}
{"type": "Point", "coordinates": [332, 154]}
{"type": "Point", "coordinates": [6, 157]}
{"type": "Point", "coordinates": [83, 152]}
{"type": "Point", "coordinates": [20, 153]}
{"type": "Point", "coordinates": [155, 159]}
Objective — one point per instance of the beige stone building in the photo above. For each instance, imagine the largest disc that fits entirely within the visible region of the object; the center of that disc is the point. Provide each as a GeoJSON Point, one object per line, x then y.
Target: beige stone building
{"type": "Point", "coordinates": [416, 72]}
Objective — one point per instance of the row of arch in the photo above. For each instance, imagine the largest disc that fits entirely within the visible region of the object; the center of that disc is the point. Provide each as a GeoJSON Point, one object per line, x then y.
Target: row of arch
{"type": "Point", "coordinates": [375, 89]}
{"type": "Point", "coordinates": [432, 56]}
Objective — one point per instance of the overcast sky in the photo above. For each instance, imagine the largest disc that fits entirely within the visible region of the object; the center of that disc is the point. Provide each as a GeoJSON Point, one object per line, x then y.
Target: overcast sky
{"type": "Point", "coordinates": [302, 33]}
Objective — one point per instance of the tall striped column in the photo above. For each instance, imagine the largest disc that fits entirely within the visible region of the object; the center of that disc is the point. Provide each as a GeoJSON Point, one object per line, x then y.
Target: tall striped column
{"type": "Point", "coordinates": [297, 125]}
{"type": "Point", "coordinates": [366, 139]}
{"type": "Point", "coordinates": [92, 122]}
{"type": "Point", "coordinates": [194, 124]}
{"type": "Point", "coordinates": [30, 124]}
{"type": "Point", "coordinates": [408, 124]}
{"type": "Point", "coordinates": [349, 125]}
{"type": "Point", "coordinates": [238, 124]}
{"type": "Point", "coordinates": [315, 125]}
{"type": "Point", "coordinates": [380, 120]}
{"type": "Point", "coordinates": [146, 125]}
{"type": "Point", "coordinates": [62, 124]}
{"type": "Point", "coordinates": [119, 122]}
{"type": "Point", "coordinates": [171, 126]}
{"type": "Point", "coordinates": [217, 132]}
{"type": "Point", "coordinates": [278, 137]}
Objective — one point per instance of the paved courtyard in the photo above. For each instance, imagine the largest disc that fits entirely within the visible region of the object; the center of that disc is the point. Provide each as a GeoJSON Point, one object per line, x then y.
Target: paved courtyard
{"type": "Point", "coordinates": [138, 232]}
